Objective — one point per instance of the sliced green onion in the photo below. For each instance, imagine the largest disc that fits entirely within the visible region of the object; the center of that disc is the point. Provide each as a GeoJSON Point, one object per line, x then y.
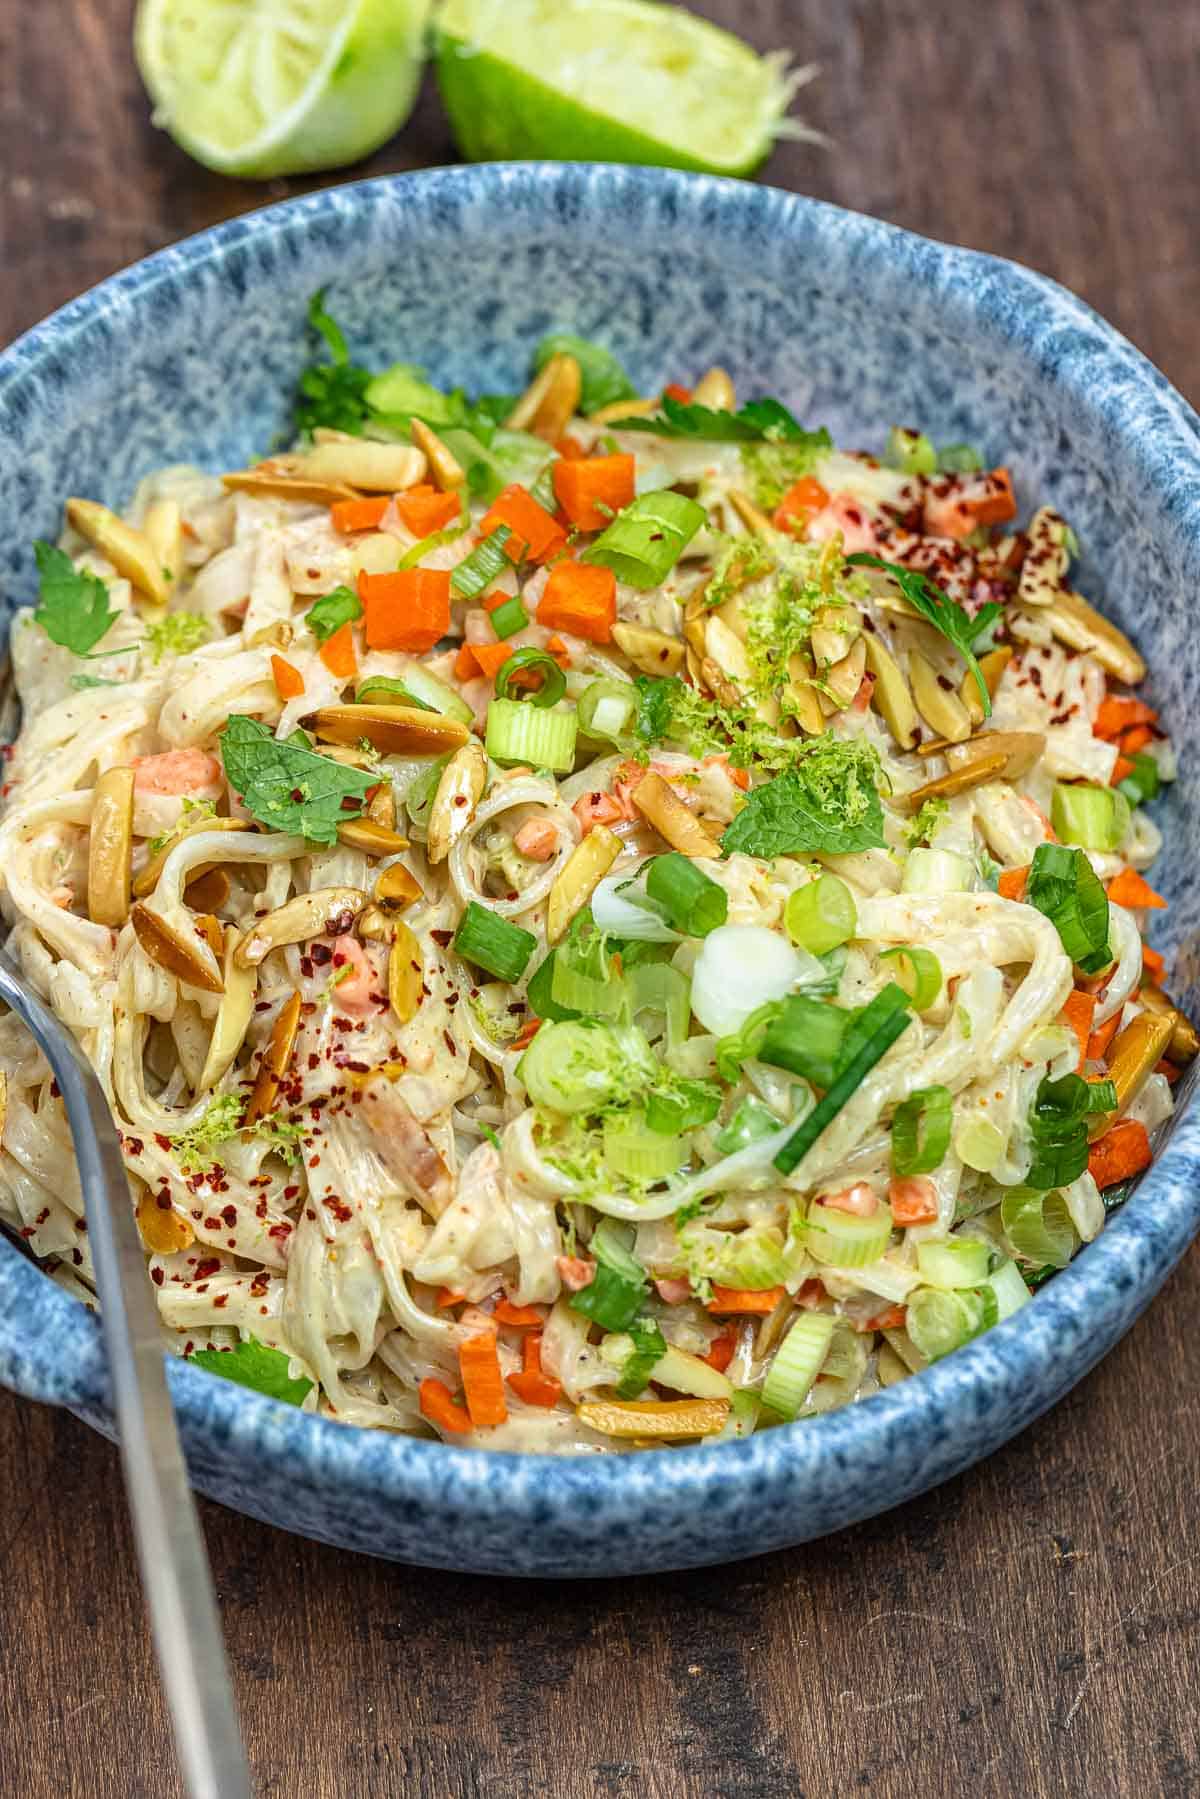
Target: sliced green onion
{"type": "Point", "coordinates": [846, 1084]}
{"type": "Point", "coordinates": [520, 733]}
{"type": "Point", "coordinates": [921, 1131]}
{"type": "Point", "coordinates": [688, 900]}
{"type": "Point", "coordinates": [751, 1121]}
{"type": "Point", "coordinates": [1008, 1284]}
{"type": "Point", "coordinates": [1144, 781]}
{"type": "Point", "coordinates": [417, 687]}
{"type": "Point", "coordinates": [919, 973]}
{"type": "Point", "coordinates": [959, 459]}
{"type": "Point", "coordinates": [1038, 1226]}
{"type": "Point", "coordinates": [585, 982]}
{"type": "Point", "coordinates": [540, 991]}
{"type": "Point", "coordinates": [606, 709]}
{"type": "Point", "coordinates": [611, 1242]}
{"type": "Point", "coordinates": [821, 916]}
{"type": "Point", "coordinates": [1058, 1127]}
{"type": "Point", "coordinates": [1094, 817]}
{"type": "Point", "coordinates": [542, 490]}
{"type": "Point", "coordinates": [646, 540]}
{"type": "Point", "coordinates": [476, 572]}
{"type": "Point", "coordinates": [980, 1144]}
{"type": "Point", "coordinates": [609, 1299]}
{"type": "Point", "coordinates": [805, 1036]}
{"type": "Point", "coordinates": [435, 541]}
{"type": "Point", "coordinates": [935, 871]}
{"type": "Point", "coordinates": [333, 610]}
{"type": "Point", "coordinates": [510, 618]}
{"type": "Point", "coordinates": [492, 943]}
{"type": "Point", "coordinates": [537, 662]}
{"type": "Point", "coordinates": [910, 451]}
{"type": "Point", "coordinates": [684, 1107]}
{"type": "Point", "coordinates": [938, 1321]}
{"type": "Point", "coordinates": [958, 1262]}
{"type": "Point", "coordinates": [1065, 888]}
{"type": "Point", "coordinates": [637, 1152]}
{"type": "Point", "coordinates": [648, 1347]}
{"type": "Point", "coordinates": [423, 791]}
{"type": "Point", "coordinates": [657, 987]}
{"type": "Point", "coordinates": [574, 1066]}
{"type": "Point", "coordinates": [846, 1239]}
{"type": "Point", "coordinates": [797, 1363]}
{"type": "Point", "coordinates": [890, 1002]}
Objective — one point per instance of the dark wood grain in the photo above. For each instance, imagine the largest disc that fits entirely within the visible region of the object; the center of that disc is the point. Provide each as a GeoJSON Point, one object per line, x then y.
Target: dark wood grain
{"type": "Point", "coordinates": [1031, 1628]}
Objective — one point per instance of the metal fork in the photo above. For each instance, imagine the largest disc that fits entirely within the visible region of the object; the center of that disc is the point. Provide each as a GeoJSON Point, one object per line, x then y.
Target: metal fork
{"type": "Point", "coordinates": [176, 1578]}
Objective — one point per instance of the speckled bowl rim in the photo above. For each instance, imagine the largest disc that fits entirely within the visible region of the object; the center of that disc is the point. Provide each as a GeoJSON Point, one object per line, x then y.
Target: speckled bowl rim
{"type": "Point", "coordinates": [1070, 1323]}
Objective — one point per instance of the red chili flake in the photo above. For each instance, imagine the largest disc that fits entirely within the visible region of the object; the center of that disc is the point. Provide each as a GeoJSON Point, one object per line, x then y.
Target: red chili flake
{"type": "Point", "coordinates": [206, 1269]}
{"type": "Point", "coordinates": [163, 1142]}
{"type": "Point", "coordinates": [259, 1284]}
{"type": "Point", "coordinates": [134, 1145]}
{"type": "Point", "coordinates": [212, 1224]}
{"type": "Point", "coordinates": [81, 1225]}
{"type": "Point", "coordinates": [341, 1211]}
{"type": "Point", "coordinates": [229, 1214]}
{"type": "Point", "coordinates": [306, 967]}
{"type": "Point", "coordinates": [163, 1202]}
{"type": "Point", "coordinates": [281, 1231]}
{"type": "Point", "coordinates": [448, 1040]}
{"type": "Point", "coordinates": [55, 1090]}
{"type": "Point", "coordinates": [291, 1192]}
{"type": "Point", "coordinates": [156, 1275]}
{"type": "Point", "coordinates": [260, 1210]}
{"type": "Point", "coordinates": [442, 937]}
{"type": "Point", "coordinates": [222, 1299]}
{"type": "Point", "coordinates": [26, 1231]}
{"type": "Point", "coordinates": [350, 804]}
{"type": "Point", "coordinates": [297, 795]}
{"type": "Point", "coordinates": [321, 954]}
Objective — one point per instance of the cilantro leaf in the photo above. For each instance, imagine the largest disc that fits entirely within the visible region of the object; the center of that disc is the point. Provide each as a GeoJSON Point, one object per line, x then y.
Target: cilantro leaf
{"type": "Point", "coordinates": [252, 1364]}
{"type": "Point", "coordinates": [331, 393]}
{"type": "Point", "coordinates": [828, 802]}
{"type": "Point", "coordinates": [176, 634]}
{"type": "Point", "coordinates": [288, 786]}
{"type": "Point", "coordinates": [946, 615]}
{"type": "Point", "coordinates": [73, 607]}
{"type": "Point", "coordinates": [333, 610]}
{"type": "Point", "coordinates": [760, 421]}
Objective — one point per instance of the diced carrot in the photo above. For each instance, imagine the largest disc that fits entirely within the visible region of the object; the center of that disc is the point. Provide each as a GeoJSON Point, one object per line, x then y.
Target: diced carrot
{"type": "Point", "coordinates": [720, 1351]}
{"type": "Point", "coordinates": [673, 391]}
{"type": "Point", "coordinates": [995, 504]}
{"type": "Point", "coordinates": [1129, 889]}
{"type": "Point", "coordinates": [535, 534]}
{"type": "Point", "coordinates": [1135, 739]}
{"type": "Point", "coordinates": [592, 490]}
{"type": "Point", "coordinates": [466, 664]}
{"type": "Point", "coordinates": [1153, 963]}
{"type": "Point", "coordinates": [289, 682]}
{"type": "Point", "coordinates": [448, 1297]}
{"type": "Point", "coordinates": [526, 1034]}
{"type": "Point", "coordinates": [424, 510]}
{"type": "Point", "coordinates": [570, 447]}
{"type": "Point", "coordinates": [559, 651]}
{"type": "Point", "coordinates": [536, 838]}
{"type": "Point", "coordinates": [598, 808]}
{"type": "Point", "coordinates": [1169, 1071]}
{"type": "Point", "coordinates": [1118, 712]}
{"type": "Point", "coordinates": [337, 653]}
{"type": "Point", "coordinates": [1121, 1153]}
{"type": "Point", "coordinates": [582, 599]}
{"type": "Point", "coordinates": [359, 515]}
{"type": "Point", "coordinates": [799, 503]}
{"type": "Point", "coordinates": [491, 657]}
{"type": "Point", "coordinates": [483, 1384]}
{"type": "Point", "coordinates": [745, 1299]}
{"type": "Point", "coordinates": [811, 1294]}
{"type": "Point", "coordinates": [890, 1319]}
{"type": "Point", "coordinates": [533, 1385]}
{"type": "Point", "coordinates": [408, 609]}
{"type": "Point", "coordinates": [1078, 1013]}
{"type": "Point", "coordinates": [439, 1406]}
{"type": "Point", "coordinates": [1122, 769]}
{"type": "Point", "coordinates": [1101, 1037]}
{"type": "Point", "coordinates": [518, 1317]}
{"type": "Point", "coordinates": [1012, 883]}
{"type": "Point", "coordinates": [913, 1200]}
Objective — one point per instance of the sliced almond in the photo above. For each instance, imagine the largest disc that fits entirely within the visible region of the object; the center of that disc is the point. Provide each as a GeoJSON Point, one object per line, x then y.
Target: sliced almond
{"type": "Point", "coordinates": [381, 807]}
{"type": "Point", "coordinates": [406, 976]}
{"type": "Point", "coordinates": [110, 847]}
{"type": "Point", "coordinates": [1078, 625]}
{"type": "Point", "coordinates": [128, 549]}
{"type": "Point", "coordinates": [374, 467]}
{"type": "Point", "coordinates": [651, 651]}
{"type": "Point", "coordinates": [147, 880]}
{"type": "Point", "coordinates": [716, 391]}
{"type": "Point", "coordinates": [458, 793]}
{"type": "Point", "coordinates": [233, 1016]}
{"type": "Point", "coordinates": [890, 695]}
{"type": "Point", "coordinates": [396, 887]}
{"type": "Point", "coordinates": [841, 683]}
{"type": "Point", "coordinates": [1133, 1054]}
{"type": "Point", "coordinates": [751, 515]}
{"type": "Point", "coordinates": [374, 925]}
{"type": "Point", "coordinates": [208, 892]}
{"type": "Point", "coordinates": [959, 780]}
{"type": "Point", "coordinates": [1184, 1045]}
{"type": "Point", "coordinates": [940, 707]}
{"type": "Point", "coordinates": [654, 1419]}
{"type": "Point", "coordinates": [991, 667]}
{"type": "Point", "coordinates": [178, 944]}
{"type": "Point", "coordinates": [804, 702]}
{"type": "Point", "coordinates": [374, 840]}
{"type": "Point", "coordinates": [162, 527]}
{"type": "Point", "coordinates": [1044, 570]}
{"type": "Point", "coordinates": [275, 1062]}
{"type": "Point", "coordinates": [269, 481]}
{"type": "Point", "coordinates": [732, 674]}
{"type": "Point", "coordinates": [671, 818]}
{"type": "Point", "coordinates": [164, 1231]}
{"type": "Point", "coordinates": [579, 876]}
{"type": "Point", "coordinates": [323, 912]}
{"type": "Point", "coordinates": [447, 471]}
{"type": "Point", "coordinates": [392, 730]}
{"type": "Point", "coordinates": [1021, 750]}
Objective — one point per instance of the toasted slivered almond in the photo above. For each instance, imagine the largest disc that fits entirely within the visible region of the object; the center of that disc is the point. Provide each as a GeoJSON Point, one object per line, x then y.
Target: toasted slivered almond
{"type": "Point", "coordinates": [392, 730]}
{"type": "Point", "coordinates": [347, 756]}
{"type": "Point", "coordinates": [110, 847]}
{"type": "Point", "coordinates": [1078, 625]}
{"type": "Point", "coordinates": [654, 1418]}
{"type": "Point", "coordinates": [147, 880]}
{"type": "Point", "coordinates": [559, 401]}
{"type": "Point", "coordinates": [624, 409]}
{"type": "Point", "coordinates": [373, 467]}
{"type": "Point", "coordinates": [447, 471]}
{"type": "Point", "coordinates": [277, 634]}
{"type": "Point", "coordinates": [940, 707]}
{"type": "Point", "coordinates": [162, 527]}
{"type": "Point", "coordinates": [1021, 749]}
{"type": "Point", "coordinates": [751, 516]}
{"type": "Point", "coordinates": [577, 880]}
{"type": "Point", "coordinates": [213, 933]}
{"type": "Point", "coordinates": [179, 945]}
{"type": "Point", "coordinates": [322, 912]}
{"type": "Point", "coordinates": [163, 1230]}
{"type": "Point", "coordinates": [526, 409]}
{"type": "Point", "coordinates": [209, 891]}
{"type": "Point", "coordinates": [396, 887]}
{"type": "Point", "coordinates": [1133, 1055]}
{"type": "Point", "coordinates": [802, 698]}
{"type": "Point", "coordinates": [671, 818]}
{"type": "Point", "coordinates": [271, 482]}
{"type": "Point", "coordinates": [841, 682]}
{"type": "Point", "coordinates": [381, 807]}
{"type": "Point", "coordinates": [374, 925]}
{"type": "Point", "coordinates": [276, 1060]}
{"type": "Point", "coordinates": [128, 549]}
{"type": "Point", "coordinates": [1044, 570]}
{"type": "Point", "coordinates": [233, 1016]}
{"type": "Point", "coordinates": [651, 651]}
{"type": "Point", "coordinates": [374, 840]}
{"type": "Point", "coordinates": [972, 774]}
{"type": "Point", "coordinates": [458, 793]}
{"type": "Point", "coordinates": [890, 695]}
{"type": "Point", "coordinates": [405, 972]}
{"type": "Point", "coordinates": [715, 390]}
{"type": "Point", "coordinates": [991, 667]}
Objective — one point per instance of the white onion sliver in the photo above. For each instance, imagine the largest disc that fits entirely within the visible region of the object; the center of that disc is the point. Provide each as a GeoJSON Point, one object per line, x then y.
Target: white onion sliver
{"type": "Point", "coordinates": [613, 912]}
{"type": "Point", "coordinates": [740, 967]}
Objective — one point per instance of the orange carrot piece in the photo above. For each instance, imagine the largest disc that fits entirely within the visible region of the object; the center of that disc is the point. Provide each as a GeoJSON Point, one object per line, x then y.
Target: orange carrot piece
{"type": "Point", "coordinates": [745, 1299]}
{"type": "Point", "coordinates": [1136, 739]}
{"type": "Point", "coordinates": [448, 1297]}
{"type": "Point", "coordinates": [1129, 889]}
{"type": "Point", "coordinates": [439, 1406]}
{"type": "Point", "coordinates": [720, 1351]}
{"type": "Point", "coordinates": [559, 651]}
{"type": "Point", "coordinates": [533, 1385]}
{"type": "Point", "coordinates": [1078, 1012]}
{"type": "Point", "coordinates": [995, 504]}
{"type": "Point", "coordinates": [890, 1319]}
{"type": "Point", "coordinates": [582, 599]}
{"type": "Point", "coordinates": [526, 1034]}
{"type": "Point", "coordinates": [1100, 1038]}
{"type": "Point", "coordinates": [424, 510]}
{"type": "Point", "coordinates": [482, 1382]}
{"type": "Point", "coordinates": [673, 391]}
{"type": "Point", "coordinates": [1122, 769]}
{"type": "Point", "coordinates": [592, 490]}
{"type": "Point", "coordinates": [535, 532]}
{"type": "Point", "coordinates": [1012, 883]}
{"type": "Point", "coordinates": [1121, 1153]}
{"type": "Point", "coordinates": [337, 653]}
{"type": "Point", "coordinates": [1153, 963]}
{"type": "Point", "coordinates": [570, 447]}
{"type": "Point", "coordinates": [491, 657]}
{"type": "Point", "coordinates": [1169, 1070]}
{"type": "Point", "coordinates": [518, 1317]}
{"type": "Point", "coordinates": [289, 682]}
{"type": "Point", "coordinates": [799, 503]}
{"type": "Point", "coordinates": [1118, 712]}
{"type": "Point", "coordinates": [408, 609]}
{"type": "Point", "coordinates": [913, 1199]}
{"type": "Point", "coordinates": [465, 665]}
{"type": "Point", "coordinates": [359, 515]}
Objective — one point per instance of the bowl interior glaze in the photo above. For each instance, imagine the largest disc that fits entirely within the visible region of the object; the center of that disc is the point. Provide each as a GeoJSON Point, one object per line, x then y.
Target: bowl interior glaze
{"type": "Point", "coordinates": [193, 355]}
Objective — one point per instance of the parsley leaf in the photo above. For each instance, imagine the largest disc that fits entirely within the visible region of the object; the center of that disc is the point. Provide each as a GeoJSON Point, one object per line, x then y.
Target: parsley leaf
{"type": "Point", "coordinates": [955, 624]}
{"type": "Point", "coordinates": [73, 607]}
{"type": "Point", "coordinates": [827, 802]}
{"type": "Point", "coordinates": [252, 1364]}
{"type": "Point", "coordinates": [176, 634]}
{"type": "Point", "coordinates": [331, 393]}
{"type": "Point", "coordinates": [760, 421]}
{"type": "Point", "coordinates": [288, 786]}
{"type": "Point", "coordinates": [331, 612]}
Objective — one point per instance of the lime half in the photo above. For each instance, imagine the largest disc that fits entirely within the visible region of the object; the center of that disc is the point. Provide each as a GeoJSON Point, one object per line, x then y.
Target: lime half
{"type": "Point", "coordinates": [278, 87]}
{"type": "Point", "coordinates": [608, 81]}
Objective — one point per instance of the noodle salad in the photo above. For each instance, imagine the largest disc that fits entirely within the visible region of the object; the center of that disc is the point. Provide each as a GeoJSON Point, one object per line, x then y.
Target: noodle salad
{"type": "Point", "coordinates": [602, 921]}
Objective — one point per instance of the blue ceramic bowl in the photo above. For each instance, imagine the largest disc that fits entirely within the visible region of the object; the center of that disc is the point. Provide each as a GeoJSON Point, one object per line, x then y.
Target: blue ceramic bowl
{"type": "Point", "coordinates": [193, 355]}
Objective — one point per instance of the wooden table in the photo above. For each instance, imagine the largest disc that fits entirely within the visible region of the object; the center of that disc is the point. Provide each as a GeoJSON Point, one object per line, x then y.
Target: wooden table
{"type": "Point", "coordinates": [1030, 1628]}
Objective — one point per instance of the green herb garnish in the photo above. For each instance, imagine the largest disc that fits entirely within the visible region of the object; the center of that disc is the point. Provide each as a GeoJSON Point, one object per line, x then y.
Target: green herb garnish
{"type": "Point", "coordinates": [176, 634]}
{"type": "Point", "coordinates": [331, 612]}
{"type": "Point", "coordinates": [252, 1364]}
{"type": "Point", "coordinates": [760, 421]}
{"type": "Point", "coordinates": [946, 615]}
{"type": "Point", "coordinates": [73, 608]}
{"type": "Point", "coordinates": [287, 785]}
{"type": "Point", "coordinates": [827, 802]}
{"type": "Point", "coordinates": [331, 393]}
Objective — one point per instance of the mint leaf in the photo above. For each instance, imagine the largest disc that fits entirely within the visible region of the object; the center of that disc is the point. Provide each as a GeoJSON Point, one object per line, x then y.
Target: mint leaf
{"type": "Point", "coordinates": [288, 786]}
{"type": "Point", "coordinates": [331, 612]}
{"type": "Point", "coordinates": [827, 803]}
{"type": "Point", "coordinates": [946, 615]}
{"type": "Point", "coordinates": [331, 393]}
{"type": "Point", "coordinates": [73, 607]}
{"type": "Point", "coordinates": [252, 1364]}
{"type": "Point", "coordinates": [604, 380]}
{"type": "Point", "coordinates": [760, 421]}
